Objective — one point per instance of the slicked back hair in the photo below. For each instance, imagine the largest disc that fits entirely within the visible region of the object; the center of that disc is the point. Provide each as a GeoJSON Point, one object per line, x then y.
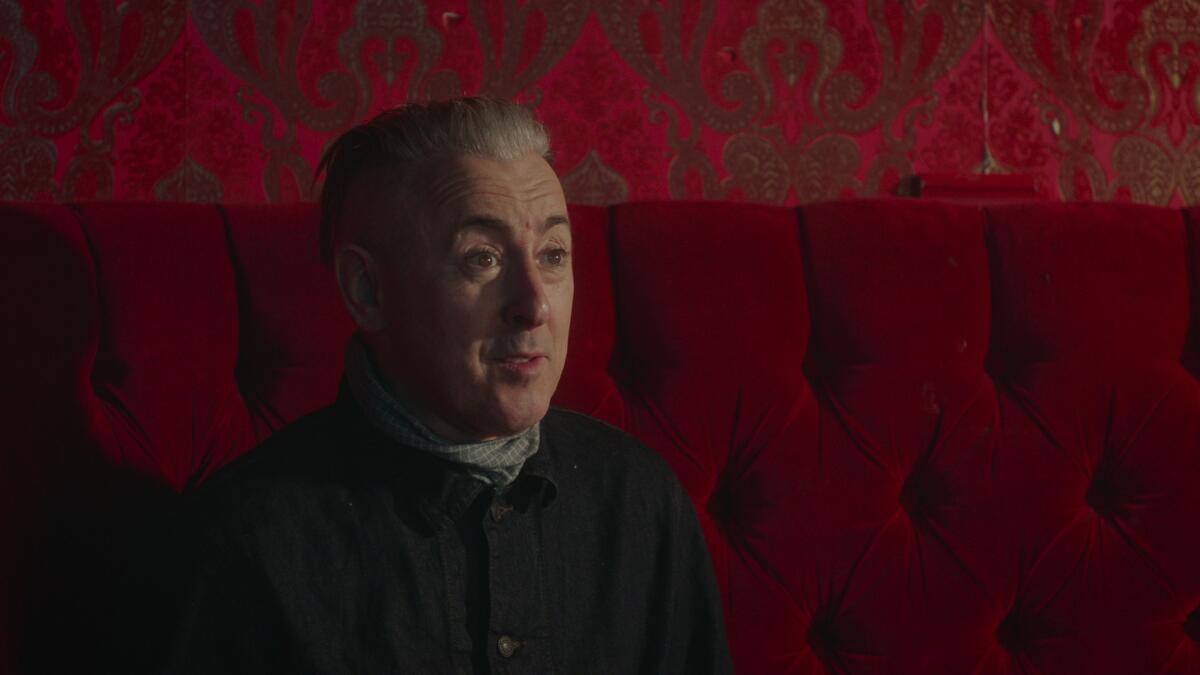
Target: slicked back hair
{"type": "Point", "coordinates": [402, 139]}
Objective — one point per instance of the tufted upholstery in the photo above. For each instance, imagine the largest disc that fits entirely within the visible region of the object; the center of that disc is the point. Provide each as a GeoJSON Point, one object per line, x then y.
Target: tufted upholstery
{"type": "Point", "coordinates": [921, 438]}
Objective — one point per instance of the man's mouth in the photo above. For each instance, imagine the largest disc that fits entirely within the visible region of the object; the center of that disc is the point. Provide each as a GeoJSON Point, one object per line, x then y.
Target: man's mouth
{"type": "Point", "coordinates": [525, 363]}
{"type": "Point", "coordinates": [520, 357]}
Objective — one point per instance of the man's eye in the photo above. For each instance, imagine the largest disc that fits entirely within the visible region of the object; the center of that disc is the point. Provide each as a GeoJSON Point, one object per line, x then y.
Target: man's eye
{"type": "Point", "coordinates": [482, 259]}
{"type": "Point", "coordinates": [556, 257]}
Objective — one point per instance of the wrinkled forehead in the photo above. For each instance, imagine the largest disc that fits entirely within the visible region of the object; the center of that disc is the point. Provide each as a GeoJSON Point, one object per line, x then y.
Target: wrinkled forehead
{"type": "Point", "coordinates": [521, 191]}
{"type": "Point", "coordinates": [424, 205]}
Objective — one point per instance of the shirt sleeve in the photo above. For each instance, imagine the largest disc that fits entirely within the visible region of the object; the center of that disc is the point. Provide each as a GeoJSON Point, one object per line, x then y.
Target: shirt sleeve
{"type": "Point", "coordinates": [696, 629]}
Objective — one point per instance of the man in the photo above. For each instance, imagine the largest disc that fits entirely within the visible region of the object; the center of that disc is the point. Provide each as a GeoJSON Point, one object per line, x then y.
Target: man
{"type": "Point", "coordinates": [439, 517]}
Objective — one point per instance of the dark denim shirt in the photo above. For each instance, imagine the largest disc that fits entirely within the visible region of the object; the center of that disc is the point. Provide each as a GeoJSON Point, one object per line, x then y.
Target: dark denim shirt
{"type": "Point", "coordinates": [331, 549]}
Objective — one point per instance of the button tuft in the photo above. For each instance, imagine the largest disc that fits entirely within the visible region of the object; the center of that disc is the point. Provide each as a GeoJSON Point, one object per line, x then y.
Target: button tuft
{"type": "Point", "coordinates": [924, 494]}
{"type": "Point", "coordinates": [824, 641]}
{"type": "Point", "coordinates": [1012, 634]}
{"type": "Point", "coordinates": [720, 506]}
{"type": "Point", "coordinates": [507, 646]}
{"type": "Point", "coordinates": [1191, 626]}
{"type": "Point", "coordinates": [1107, 492]}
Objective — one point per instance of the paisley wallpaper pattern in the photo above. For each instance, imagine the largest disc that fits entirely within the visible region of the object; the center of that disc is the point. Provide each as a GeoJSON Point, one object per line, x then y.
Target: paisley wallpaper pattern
{"type": "Point", "coordinates": [777, 101]}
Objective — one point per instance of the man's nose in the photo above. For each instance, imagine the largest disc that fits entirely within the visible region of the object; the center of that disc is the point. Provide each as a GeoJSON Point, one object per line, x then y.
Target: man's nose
{"type": "Point", "coordinates": [527, 304]}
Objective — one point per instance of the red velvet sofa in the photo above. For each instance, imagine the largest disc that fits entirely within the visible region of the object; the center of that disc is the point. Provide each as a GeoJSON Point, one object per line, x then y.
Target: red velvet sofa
{"type": "Point", "coordinates": [921, 437]}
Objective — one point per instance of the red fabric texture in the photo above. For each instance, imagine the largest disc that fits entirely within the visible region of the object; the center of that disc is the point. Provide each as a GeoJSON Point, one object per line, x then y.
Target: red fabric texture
{"type": "Point", "coordinates": [1102, 454]}
{"type": "Point", "coordinates": [769, 101]}
{"type": "Point", "coordinates": [282, 372]}
{"type": "Point", "coordinates": [921, 437]}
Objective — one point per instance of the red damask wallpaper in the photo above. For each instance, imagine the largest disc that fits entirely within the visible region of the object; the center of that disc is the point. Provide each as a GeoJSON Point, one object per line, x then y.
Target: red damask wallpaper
{"type": "Point", "coordinates": [778, 101]}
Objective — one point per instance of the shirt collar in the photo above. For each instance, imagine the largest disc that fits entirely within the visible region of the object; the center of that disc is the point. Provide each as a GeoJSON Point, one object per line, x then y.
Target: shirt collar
{"type": "Point", "coordinates": [437, 488]}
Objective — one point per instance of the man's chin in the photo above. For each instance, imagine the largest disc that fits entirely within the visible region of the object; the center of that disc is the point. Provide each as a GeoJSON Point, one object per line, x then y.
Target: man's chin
{"type": "Point", "coordinates": [512, 420]}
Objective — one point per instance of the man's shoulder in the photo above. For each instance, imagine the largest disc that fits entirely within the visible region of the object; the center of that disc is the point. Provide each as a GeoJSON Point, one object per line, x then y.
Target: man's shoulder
{"type": "Point", "coordinates": [298, 443]}
{"type": "Point", "coordinates": [578, 426]}
{"type": "Point", "coordinates": [302, 454]}
{"type": "Point", "coordinates": [583, 441]}
{"type": "Point", "coordinates": [575, 431]}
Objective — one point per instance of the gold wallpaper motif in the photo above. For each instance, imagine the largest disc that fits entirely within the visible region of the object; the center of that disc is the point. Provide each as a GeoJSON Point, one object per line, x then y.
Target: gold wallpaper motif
{"type": "Point", "coordinates": [105, 94]}
{"type": "Point", "coordinates": [502, 74]}
{"type": "Point", "coordinates": [594, 182]}
{"type": "Point", "coordinates": [776, 101]}
{"type": "Point", "coordinates": [189, 182]}
{"type": "Point", "coordinates": [824, 159]}
{"type": "Point", "coordinates": [390, 21]}
{"type": "Point", "coordinates": [1151, 112]}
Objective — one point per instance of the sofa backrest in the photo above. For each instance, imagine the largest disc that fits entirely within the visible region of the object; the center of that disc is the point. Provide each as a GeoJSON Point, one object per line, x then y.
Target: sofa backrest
{"type": "Point", "coordinates": [920, 437]}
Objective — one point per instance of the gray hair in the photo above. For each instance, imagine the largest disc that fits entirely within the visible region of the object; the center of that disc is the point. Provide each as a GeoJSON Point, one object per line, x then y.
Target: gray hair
{"type": "Point", "coordinates": [406, 137]}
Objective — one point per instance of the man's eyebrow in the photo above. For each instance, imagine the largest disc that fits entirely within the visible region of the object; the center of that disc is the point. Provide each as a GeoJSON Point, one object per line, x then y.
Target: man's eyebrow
{"type": "Point", "coordinates": [493, 223]}
{"type": "Point", "coordinates": [556, 220]}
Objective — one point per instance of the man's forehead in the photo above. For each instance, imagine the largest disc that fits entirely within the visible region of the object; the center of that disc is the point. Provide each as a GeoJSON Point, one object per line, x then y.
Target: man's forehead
{"type": "Point", "coordinates": [494, 195]}
{"type": "Point", "coordinates": [472, 184]}
{"type": "Point", "coordinates": [500, 225]}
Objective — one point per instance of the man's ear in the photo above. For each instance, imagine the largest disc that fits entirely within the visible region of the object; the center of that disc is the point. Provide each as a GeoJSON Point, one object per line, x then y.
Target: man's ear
{"type": "Point", "coordinates": [358, 277]}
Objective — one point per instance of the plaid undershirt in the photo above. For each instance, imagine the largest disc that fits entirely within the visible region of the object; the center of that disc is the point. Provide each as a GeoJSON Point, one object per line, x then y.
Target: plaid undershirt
{"type": "Point", "coordinates": [496, 462]}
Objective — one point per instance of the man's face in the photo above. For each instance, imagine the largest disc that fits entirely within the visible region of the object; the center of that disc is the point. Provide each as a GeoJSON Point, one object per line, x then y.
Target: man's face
{"type": "Point", "coordinates": [477, 302]}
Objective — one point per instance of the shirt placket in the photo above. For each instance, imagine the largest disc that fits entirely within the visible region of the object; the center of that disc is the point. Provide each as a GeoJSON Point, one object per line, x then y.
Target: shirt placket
{"type": "Point", "coordinates": [450, 550]}
{"type": "Point", "coordinates": [441, 514]}
{"type": "Point", "coordinates": [517, 629]}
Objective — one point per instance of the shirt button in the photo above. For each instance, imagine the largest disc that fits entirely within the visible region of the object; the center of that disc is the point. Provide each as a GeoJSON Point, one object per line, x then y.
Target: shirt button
{"type": "Point", "coordinates": [499, 510]}
{"type": "Point", "coordinates": [507, 646]}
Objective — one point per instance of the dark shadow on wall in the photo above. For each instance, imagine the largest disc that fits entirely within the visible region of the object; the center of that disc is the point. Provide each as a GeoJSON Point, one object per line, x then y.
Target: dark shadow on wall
{"type": "Point", "coordinates": [107, 575]}
{"type": "Point", "coordinates": [89, 574]}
